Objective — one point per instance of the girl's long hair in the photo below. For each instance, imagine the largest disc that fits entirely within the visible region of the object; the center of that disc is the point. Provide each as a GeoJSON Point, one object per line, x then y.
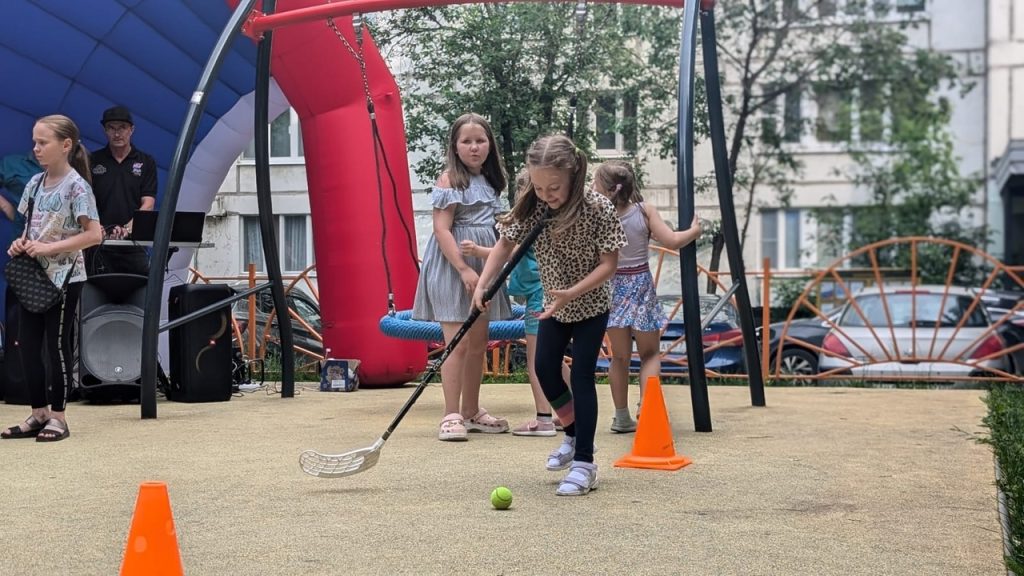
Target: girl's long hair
{"type": "Point", "coordinates": [493, 169]}
{"type": "Point", "coordinates": [65, 128]}
{"type": "Point", "coordinates": [558, 152]}
{"type": "Point", "coordinates": [618, 178]}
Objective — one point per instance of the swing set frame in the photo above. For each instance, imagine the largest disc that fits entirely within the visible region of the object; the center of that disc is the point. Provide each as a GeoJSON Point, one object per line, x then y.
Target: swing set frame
{"type": "Point", "coordinates": [257, 24]}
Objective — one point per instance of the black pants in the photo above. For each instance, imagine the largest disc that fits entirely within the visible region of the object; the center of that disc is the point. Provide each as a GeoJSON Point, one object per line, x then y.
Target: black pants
{"type": "Point", "coordinates": [576, 406]}
{"type": "Point", "coordinates": [54, 330]}
{"type": "Point", "coordinates": [117, 259]}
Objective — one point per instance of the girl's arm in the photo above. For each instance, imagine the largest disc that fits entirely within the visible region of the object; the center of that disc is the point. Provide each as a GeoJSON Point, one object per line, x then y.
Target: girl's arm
{"type": "Point", "coordinates": [605, 269]}
{"type": "Point", "coordinates": [7, 208]}
{"type": "Point", "coordinates": [91, 235]}
{"type": "Point", "coordinates": [497, 258]}
{"type": "Point", "coordinates": [443, 220]}
{"type": "Point", "coordinates": [470, 248]}
{"type": "Point", "coordinates": [669, 238]}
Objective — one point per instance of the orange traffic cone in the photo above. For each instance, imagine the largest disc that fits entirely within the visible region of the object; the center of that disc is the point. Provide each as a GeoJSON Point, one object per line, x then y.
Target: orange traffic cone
{"type": "Point", "coordinates": [152, 548]}
{"type": "Point", "coordinates": [653, 446]}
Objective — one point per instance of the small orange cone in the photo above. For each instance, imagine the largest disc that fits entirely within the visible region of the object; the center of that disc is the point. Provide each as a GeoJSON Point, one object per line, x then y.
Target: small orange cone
{"type": "Point", "coordinates": [152, 548]}
{"type": "Point", "coordinates": [653, 447]}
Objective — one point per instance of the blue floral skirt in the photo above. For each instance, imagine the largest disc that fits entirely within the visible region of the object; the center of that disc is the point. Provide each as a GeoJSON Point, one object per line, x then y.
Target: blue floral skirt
{"type": "Point", "coordinates": [635, 303]}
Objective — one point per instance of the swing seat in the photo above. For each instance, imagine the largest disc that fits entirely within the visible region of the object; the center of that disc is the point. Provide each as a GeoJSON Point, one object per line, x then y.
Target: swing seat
{"type": "Point", "coordinates": [402, 326]}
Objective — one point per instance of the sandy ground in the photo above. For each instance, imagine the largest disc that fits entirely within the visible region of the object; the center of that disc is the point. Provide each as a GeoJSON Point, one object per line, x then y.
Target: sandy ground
{"type": "Point", "coordinates": [822, 481]}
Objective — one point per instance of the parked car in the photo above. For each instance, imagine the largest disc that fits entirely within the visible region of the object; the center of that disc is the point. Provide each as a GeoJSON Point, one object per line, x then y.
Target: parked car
{"type": "Point", "coordinates": [913, 331]}
{"type": "Point", "coordinates": [800, 350]}
{"type": "Point", "coordinates": [304, 305]}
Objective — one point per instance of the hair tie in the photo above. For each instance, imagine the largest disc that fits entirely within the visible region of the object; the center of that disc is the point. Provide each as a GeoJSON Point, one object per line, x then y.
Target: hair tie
{"type": "Point", "coordinates": [618, 187]}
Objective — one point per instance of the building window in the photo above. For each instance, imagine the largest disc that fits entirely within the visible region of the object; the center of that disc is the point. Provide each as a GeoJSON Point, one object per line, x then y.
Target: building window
{"type": "Point", "coordinates": [790, 9]}
{"type": "Point", "coordinates": [791, 117]}
{"type": "Point", "coordinates": [792, 238]}
{"type": "Point", "coordinates": [833, 122]}
{"type": "Point", "coordinates": [871, 112]}
{"type": "Point", "coordinates": [910, 5]}
{"type": "Point", "coordinates": [294, 246]}
{"type": "Point", "coordinates": [285, 138]}
{"type": "Point", "coordinates": [770, 236]}
{"type": "Point", "coordinates": [615, 122]}
{"type": "Point", "coordinates": [781, 229]}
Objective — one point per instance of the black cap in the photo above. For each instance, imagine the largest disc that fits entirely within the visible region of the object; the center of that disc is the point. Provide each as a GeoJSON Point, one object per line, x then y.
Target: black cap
{"type": "Point", "coordinates": [117, 114]}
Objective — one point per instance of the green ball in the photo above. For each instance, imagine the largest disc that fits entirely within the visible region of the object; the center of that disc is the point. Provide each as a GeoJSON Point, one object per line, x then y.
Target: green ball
{"type": "Point", "coordinates": [501, 498]}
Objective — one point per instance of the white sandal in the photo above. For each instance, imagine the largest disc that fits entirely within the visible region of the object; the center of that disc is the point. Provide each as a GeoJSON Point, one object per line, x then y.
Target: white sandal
{"type": "Point", "coordinates": [581, 479]}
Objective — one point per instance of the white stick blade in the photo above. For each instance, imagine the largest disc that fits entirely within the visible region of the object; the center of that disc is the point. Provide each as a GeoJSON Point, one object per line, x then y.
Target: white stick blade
{"type": "Point", "coordinates": [338, 465]}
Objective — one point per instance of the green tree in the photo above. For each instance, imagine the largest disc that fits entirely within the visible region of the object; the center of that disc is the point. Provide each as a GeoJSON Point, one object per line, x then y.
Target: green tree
{"type": "Point", "coordinates": [909, 168]}
{"type": "Point", "coordinates": [778, 54]}
{"type": "Point", "coordinates": [520, 65]}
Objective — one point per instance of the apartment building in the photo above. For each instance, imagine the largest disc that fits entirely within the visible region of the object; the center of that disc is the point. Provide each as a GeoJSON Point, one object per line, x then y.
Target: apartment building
{"type": "Point", "coordinates": [986, 38]}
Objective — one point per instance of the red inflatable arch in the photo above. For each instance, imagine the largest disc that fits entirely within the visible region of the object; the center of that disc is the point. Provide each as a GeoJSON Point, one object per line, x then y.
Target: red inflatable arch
{"type": "Point", "coordinates": [322, 81]}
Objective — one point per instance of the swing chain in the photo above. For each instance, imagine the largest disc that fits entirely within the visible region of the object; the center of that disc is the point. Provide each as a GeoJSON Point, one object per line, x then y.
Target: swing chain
{"type": "Point", "coordinates": [357, 22]}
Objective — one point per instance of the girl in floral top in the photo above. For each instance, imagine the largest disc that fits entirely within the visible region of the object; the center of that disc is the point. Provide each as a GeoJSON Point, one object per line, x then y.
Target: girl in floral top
{"type": "Point", "coordinates": [577, 254]}
{"type": "Point", "coordinates": [64, 221]}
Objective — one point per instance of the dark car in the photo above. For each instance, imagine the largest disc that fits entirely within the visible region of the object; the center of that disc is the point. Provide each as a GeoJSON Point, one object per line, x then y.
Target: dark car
{"type": "Point", "coordinates": [308, 343]}
{"type": "Point", "coordinates": [799, 351]}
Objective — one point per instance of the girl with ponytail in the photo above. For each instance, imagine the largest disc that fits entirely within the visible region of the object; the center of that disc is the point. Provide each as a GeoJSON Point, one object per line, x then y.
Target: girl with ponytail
{"type": "Point", "coordinates": [576, 254]}
{"type": "Point", "coordinates": [63, 222]}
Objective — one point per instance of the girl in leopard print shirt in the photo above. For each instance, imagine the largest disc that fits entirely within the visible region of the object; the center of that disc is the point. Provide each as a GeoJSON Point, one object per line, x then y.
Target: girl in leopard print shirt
{"type": "Point", "coordinates": [577, 254]}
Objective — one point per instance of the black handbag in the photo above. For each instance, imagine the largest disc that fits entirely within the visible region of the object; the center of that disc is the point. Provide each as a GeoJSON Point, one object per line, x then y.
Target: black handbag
{"type": "Point", "coordinates": [27, 278]}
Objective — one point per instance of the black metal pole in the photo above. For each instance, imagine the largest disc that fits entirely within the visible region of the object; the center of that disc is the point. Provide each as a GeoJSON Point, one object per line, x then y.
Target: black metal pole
{"type": "Point", "coordinates": [162, 237]}
{"type": "Point", "coordinates": [730, 230]}
{"type": "Point", "coordinates": [266, 208]}
{"type": "Point", "coordinates": [686, 194]}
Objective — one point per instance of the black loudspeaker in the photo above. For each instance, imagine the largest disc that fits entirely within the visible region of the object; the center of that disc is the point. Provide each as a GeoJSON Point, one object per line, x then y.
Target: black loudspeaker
{"type": "Point", "coordinates": [110, 333]}
{"type": "Point", "coordinates": [201, 368]}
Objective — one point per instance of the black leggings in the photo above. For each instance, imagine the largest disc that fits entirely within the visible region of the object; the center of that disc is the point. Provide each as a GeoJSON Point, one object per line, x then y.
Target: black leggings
{"type": "Point", "coordinates": [576, 408]}
{"type": "Point", "coordinates": [53, 330]}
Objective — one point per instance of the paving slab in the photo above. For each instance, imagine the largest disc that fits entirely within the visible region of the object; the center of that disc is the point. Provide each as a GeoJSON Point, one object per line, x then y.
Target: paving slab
{"type": "Point", "coordinates": [821, 481]}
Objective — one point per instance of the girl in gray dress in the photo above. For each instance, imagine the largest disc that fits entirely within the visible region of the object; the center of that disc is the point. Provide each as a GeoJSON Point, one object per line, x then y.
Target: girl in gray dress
{"type": "Point", "coordinates": [465, 200]}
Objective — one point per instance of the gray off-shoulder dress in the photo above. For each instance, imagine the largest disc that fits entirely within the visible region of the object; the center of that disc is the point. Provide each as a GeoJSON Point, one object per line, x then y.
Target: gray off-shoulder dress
{"type": "Point", "coordinates": [440, 296]}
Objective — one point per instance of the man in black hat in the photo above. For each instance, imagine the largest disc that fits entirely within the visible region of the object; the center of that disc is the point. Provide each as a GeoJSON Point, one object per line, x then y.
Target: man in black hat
{"type": "Point", "coordinates": [123, 181]}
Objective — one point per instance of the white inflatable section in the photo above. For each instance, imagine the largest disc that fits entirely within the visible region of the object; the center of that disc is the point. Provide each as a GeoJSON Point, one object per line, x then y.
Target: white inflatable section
{"type": "Point", "coordinates": [209, 164]}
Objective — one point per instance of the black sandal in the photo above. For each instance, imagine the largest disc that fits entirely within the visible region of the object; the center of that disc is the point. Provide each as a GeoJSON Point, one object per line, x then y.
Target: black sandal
{"type": "Point", "coordinates": [53, 431]}
{"type": "Point", "coordinates": [34, 427]}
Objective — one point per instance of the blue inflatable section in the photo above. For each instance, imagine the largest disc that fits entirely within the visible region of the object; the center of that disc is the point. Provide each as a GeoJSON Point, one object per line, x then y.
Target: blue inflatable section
{"type": "Point", "coordinates": [79, 58]}
{"type": "Point", "coordinates": [401, 325]}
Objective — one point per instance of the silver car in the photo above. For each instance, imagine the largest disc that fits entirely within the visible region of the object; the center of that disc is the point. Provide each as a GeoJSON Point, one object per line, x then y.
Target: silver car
{"type": "Point", "coordinates": [922, 332]}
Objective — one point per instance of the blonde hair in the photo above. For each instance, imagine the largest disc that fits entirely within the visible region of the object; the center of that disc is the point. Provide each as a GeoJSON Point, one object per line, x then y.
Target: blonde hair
{"type": "Point", "coordinates": [558, 152]}
{"type": "Point", "coordinates": [66, 129]}
{"type": "Point", "coordinates": [493, 169]}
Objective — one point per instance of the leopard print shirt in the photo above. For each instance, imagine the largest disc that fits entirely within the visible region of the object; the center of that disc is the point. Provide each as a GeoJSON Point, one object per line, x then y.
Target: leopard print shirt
{"type": "Point", "coordinates": [568, 258]}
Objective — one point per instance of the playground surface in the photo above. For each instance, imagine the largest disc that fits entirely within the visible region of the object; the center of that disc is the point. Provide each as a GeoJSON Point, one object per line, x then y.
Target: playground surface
{"type": "Point", "coordinates": [821, 481]}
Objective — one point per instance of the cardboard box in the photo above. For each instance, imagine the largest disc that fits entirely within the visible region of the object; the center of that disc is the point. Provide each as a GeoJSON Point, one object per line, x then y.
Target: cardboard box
{"type": "Point", "coordinates": [339, 375]}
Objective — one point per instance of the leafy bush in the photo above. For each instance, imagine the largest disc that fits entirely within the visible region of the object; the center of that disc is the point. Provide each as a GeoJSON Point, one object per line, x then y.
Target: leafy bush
{"type": "Point", "coordinates": [1005, 422]}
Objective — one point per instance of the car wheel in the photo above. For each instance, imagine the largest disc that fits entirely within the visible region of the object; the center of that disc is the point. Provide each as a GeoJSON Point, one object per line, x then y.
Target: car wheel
{"type": "Point", "coordinates": [799, 362]}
